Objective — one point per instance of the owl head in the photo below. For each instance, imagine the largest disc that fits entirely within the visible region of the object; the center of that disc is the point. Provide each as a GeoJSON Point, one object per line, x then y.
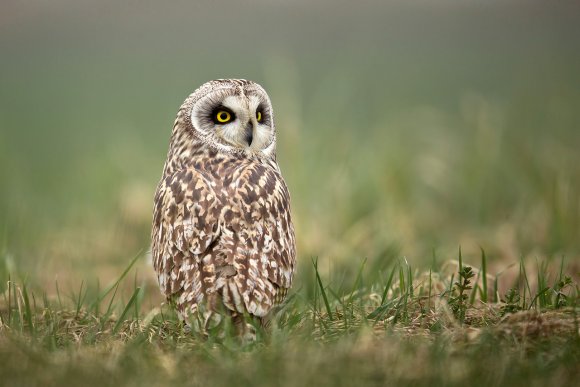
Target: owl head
{"type": "Point", "coordinates": [231, 116]}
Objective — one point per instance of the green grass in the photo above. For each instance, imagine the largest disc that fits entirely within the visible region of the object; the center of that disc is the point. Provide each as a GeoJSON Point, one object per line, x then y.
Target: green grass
{"type": "Point", "coordinates": [407, 328]}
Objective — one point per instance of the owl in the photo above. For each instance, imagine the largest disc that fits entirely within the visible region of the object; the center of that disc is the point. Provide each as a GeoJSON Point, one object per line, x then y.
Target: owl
{"type": "Point", "coordinates": [222, 237]}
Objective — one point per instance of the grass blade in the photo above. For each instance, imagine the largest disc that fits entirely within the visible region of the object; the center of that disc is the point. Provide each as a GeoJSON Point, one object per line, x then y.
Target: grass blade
{"type": "Point", "coordinates": [116, 284]}
{"type": "Point", "coordinates": [27, 310]}
{"type": "Point", "coordinates": [357, 280]}
{"type": "Point", "coordinates": [388, 285]}
{"type": "Point", "coordinates": [121, 319]}
{"type": "Point", "coordinates": [322, 290]}
{"type": "Point", "coordinates": [484, 276]}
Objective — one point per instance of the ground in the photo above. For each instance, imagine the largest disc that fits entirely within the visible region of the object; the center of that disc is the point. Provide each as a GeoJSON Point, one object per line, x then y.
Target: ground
{"type": "Point", "coordinates": [408, 329]}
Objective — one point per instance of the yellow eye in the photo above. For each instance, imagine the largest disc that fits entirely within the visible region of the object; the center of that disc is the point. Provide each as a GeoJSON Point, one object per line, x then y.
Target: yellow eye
{"type": "Point", "coordinates": [222, 116]}
{"type": "Point", "coordinates": [259, 116]}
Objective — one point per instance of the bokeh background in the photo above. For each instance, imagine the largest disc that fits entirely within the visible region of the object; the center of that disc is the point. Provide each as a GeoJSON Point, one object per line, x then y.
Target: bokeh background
{"type": "Point", "coordinates": [406, 128]}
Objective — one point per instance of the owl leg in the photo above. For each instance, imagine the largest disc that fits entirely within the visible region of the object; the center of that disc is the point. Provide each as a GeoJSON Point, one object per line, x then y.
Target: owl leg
{"type": "Point", "coordinates": [243, 329]}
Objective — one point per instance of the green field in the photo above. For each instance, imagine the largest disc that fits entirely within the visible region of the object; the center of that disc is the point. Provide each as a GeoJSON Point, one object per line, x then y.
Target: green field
{"type": "Point", "coordinates": [406, 130]}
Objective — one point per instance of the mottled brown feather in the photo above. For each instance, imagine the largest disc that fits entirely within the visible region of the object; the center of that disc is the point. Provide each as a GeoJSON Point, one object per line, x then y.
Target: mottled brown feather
{"type": "Point", "coordinates": [222, 230]}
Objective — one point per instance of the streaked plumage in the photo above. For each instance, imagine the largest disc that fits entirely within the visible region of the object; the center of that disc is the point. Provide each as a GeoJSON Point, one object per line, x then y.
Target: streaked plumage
{"type": "Point", "coordinates": [222, 237]}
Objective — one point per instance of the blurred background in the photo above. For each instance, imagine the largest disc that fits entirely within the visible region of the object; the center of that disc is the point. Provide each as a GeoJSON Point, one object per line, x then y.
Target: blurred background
{"type": "Point", "coordinates": [406, 128]}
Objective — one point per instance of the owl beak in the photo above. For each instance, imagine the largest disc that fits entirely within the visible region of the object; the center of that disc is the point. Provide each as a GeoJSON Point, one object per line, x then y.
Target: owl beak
{"type": "Point", "coordinates": [249, 133]}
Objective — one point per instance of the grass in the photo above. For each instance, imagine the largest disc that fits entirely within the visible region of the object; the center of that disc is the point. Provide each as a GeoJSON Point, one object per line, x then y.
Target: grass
{"type": "Point", "coordinates": [405, 328]}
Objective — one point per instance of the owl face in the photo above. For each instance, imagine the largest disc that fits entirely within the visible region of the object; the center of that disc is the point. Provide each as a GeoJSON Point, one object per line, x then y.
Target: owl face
{"type": "Point", "coordinates": [234, 116]}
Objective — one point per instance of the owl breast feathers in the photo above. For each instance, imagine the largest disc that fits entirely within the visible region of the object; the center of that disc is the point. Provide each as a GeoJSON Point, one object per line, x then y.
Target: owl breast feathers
{"type": "Point", "coordinates": [222, 237]}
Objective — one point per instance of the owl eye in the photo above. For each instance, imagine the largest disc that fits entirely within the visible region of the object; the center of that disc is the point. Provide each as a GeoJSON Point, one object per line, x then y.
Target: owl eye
{"type": "Point", "coordinates": [259, 116]}
{"type": "Point", "coordinates": [223, 116]}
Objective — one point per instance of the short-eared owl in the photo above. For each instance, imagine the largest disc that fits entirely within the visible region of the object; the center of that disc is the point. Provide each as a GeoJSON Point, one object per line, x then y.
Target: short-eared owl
{"type": "Point", "coordinates": [223, 239]}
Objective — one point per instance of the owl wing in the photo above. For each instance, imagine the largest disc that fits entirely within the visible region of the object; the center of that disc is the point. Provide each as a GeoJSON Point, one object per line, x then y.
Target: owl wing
{"type": "Point", "coordinates": [185, 224]}
{"type": "Point", "coordinates": [265, 258]}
